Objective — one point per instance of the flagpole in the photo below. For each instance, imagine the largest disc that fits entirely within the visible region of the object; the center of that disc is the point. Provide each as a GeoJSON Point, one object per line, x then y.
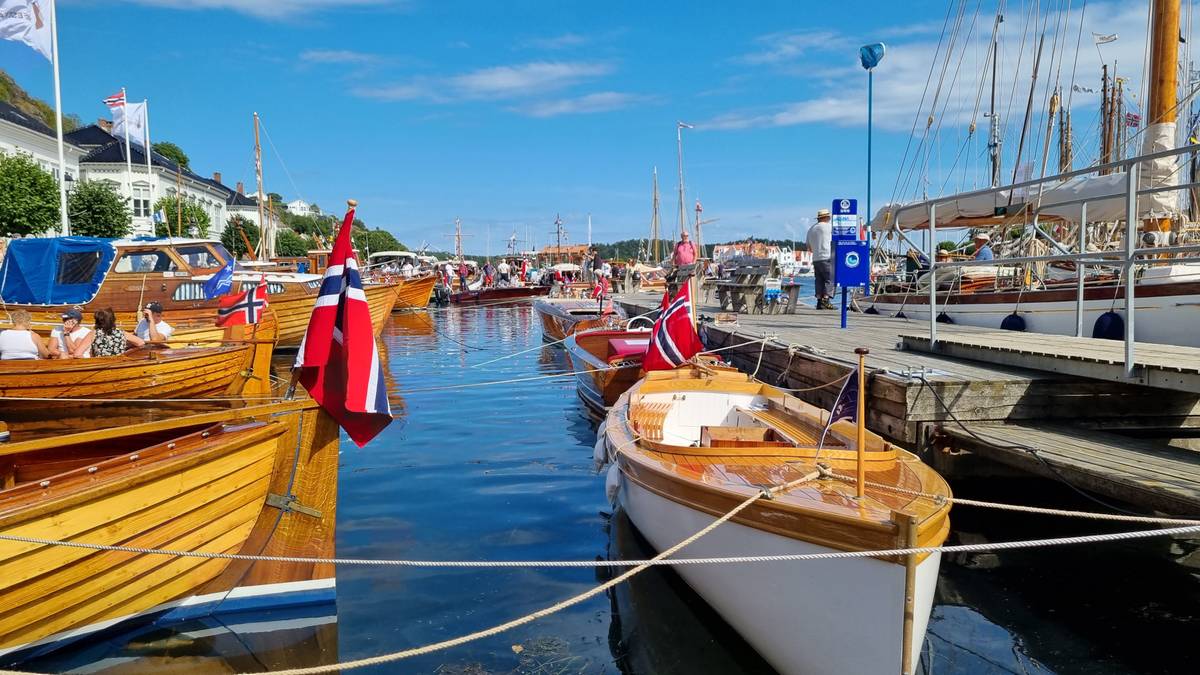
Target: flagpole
{"type": "Point", "coordinates": [146, 148]}
{"type": "Point", "coordinates": [861, 439]}
{"type": "Point", "coordinates": [128, 158]}
{"type": "Point", "coordinates": [64, 223]}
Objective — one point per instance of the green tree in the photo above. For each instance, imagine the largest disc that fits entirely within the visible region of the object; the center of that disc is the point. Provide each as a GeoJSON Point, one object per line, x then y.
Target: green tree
{"type": "Point", "coordinates": [172, 152]}
{"type": "Point", "coordinates": [96, 210]}
{"type": "Point", "coordinates": [196, 222]}
{"type": "Point", "coordinates": [277, 198]}
{"type": "Point", "coordinates": [28, 197]}
{"type": "Point", "coordinates": [375, 241]}
{"type": "Point", "coordinates": [232, 236]}
{"type": "Point", "coordinates": [947, 246]}
{"type": "Point", "coordinates": [288, 243]}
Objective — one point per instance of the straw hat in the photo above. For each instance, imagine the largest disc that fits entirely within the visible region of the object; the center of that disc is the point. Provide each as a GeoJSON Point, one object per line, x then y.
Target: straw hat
{"type": "Point", "coordinates": [983, 236]}
{"type": "Point", "coordinates": [822, 213]}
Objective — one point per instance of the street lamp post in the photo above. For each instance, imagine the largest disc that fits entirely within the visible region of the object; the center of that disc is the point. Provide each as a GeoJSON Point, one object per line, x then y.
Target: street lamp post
{"type": "Point", "coordinates": [870, 55]}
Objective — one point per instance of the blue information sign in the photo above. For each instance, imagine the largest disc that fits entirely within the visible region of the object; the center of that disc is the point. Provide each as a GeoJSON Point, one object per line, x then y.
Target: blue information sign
{"type": "Point", "coordinates": [844, 221]}
{"type": "Point", "coordinates": [852, 263]}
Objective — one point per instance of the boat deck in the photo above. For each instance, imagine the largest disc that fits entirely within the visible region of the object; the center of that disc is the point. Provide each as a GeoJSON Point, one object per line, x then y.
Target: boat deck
{"type": "Point", "coordinates": [1164, 366]}
{"type": "Point", "coordinates": [1075, 417]}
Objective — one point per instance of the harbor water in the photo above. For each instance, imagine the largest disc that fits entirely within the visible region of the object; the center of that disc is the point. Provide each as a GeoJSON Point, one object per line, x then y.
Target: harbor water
{"type": "Point", "coordinates": [485, 463]}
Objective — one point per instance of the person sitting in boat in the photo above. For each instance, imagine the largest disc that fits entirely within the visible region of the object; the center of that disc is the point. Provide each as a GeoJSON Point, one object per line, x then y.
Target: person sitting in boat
{"type": "Point", "coordinates": [20, 342]}
{"type": "Point", "coordinates": [407, 270]}
{"type": "Point", "coordinates": [109, 340]}
{"type": "Point", "coordinates": [983, 251]}
{"type": "Point", "coordinates": [152, 328]}
{"type": "Point", "coordinates": [72, 340]}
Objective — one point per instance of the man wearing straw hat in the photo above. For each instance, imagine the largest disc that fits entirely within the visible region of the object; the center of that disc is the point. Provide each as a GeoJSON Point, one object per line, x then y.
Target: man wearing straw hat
{"type": "Point", "coordinates": [820, 242]}
{"type": "Point", "coordinates": [983, 251]}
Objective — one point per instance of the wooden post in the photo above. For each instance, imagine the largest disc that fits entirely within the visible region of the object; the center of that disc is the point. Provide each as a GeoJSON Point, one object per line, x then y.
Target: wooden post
{"type": "Point", "coordinates": [861, 439]}
{"type": "Point", "coordinates": [178, 204]}
{"type": "Point", "coordinates": [906, 523]}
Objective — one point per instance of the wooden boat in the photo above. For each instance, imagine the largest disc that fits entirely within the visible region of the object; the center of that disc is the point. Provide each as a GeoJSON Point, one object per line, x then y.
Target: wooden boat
{"type": "Point", "coordinates": [412, 293]}
{"type": "Point", "coordinates": [239, 365]}
{"type": "Point", "coordinates": [47, 276]}
{"type": "Point", "coordinates": [497, 295]}
{"type": "Point", "coordinates": [561, 317]}
{"type": "Point", "coordinates": [689, 445]}
{"type": "Point", "coordinates": [607, 362]}
{"type": "Point", "coordinates": [261, 480]}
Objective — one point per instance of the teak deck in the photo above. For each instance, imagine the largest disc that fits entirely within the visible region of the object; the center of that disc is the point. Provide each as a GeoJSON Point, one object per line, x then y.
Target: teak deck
{"type": "Point", "coordinates": [1066, 416]}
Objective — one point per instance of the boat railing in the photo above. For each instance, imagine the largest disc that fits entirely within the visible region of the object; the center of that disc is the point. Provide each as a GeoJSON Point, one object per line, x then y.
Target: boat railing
{"type": "Point", "coordinates": [1126, 258]}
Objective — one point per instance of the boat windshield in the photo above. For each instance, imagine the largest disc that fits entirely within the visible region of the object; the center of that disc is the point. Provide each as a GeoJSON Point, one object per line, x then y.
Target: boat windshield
{"type": "Point", "coordinates": [224, 254]}
{"type": "Point", "coordinates": [198, 256]}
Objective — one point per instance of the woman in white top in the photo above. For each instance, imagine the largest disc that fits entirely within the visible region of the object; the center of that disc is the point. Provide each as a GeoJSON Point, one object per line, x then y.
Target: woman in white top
{"type": "Point", "coordinates": [73, 339]}
{"type": "Point", "coordinates": [19, 342]}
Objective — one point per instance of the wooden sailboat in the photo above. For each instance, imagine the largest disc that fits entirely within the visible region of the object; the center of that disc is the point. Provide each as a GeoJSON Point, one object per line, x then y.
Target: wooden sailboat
{"type": "Point", "coordinates": [239, 365]}
{"type": "Point", "coordinates": [260, 480]}
{"type": "Point", "coordinates": [561, 317]}
{"type": "Point", "coordinates": [689, 445]}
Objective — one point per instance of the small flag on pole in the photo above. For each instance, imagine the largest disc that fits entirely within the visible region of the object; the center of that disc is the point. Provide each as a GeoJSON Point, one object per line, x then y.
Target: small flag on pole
{"type": "Point", "coordinates": [845, 407]}
{"type": "Point", "coordinates": [220, 283]}
{"type": "Point", "coordinates": [338, 360]}
{"type": "Point", "coordinates": [673, 339]}
{"type": "Point", "coordinates": [116, 100]}
{"type": "Point", "coordinates": [25, 21]}
{"type": "Point", "coordinates": [245, 308]}
{"type": "Point", "coordinates": [1133, 120]}
{"type": "Point", "coordinates": [1102, 39]}
{"type": "Point", "coordinates": [132, 115]}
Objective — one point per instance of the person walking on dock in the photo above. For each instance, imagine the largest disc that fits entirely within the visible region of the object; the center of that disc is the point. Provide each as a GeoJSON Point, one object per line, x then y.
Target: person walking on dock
{"type": "Point", "coordinates": [820, 242]}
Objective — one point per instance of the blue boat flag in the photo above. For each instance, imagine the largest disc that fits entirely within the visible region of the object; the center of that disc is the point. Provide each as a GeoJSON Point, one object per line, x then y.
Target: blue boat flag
{"type": "Point", "coordinates": [219, 283]}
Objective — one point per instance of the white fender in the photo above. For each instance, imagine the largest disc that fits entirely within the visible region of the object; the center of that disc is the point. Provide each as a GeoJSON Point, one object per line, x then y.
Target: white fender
{"type": "Point", "coordinates": [600, 452]}
{"type": "Point", "coordinates": [612, 483]}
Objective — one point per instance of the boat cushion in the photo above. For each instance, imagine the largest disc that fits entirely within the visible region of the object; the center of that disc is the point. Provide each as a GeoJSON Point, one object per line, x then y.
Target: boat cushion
{"type": "Point", "coordinates": [622, 347]}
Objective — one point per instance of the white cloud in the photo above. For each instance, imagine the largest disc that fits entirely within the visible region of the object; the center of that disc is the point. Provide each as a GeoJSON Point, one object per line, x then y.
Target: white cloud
{"type": "Point", "coordinates": [526, 78]}
{"type": "Point", "coordinates": [494, 83]}
{"type": "Point", "coordinates": [563, 41]}
{"type": "Point", "coordinates": [603, 101]}
{"type": "Point", "coordinates": [785, 46]}
{"type": "Point", "coordinates": [338, 56]}
{"type": "Point", "coordinates": [270, 9]}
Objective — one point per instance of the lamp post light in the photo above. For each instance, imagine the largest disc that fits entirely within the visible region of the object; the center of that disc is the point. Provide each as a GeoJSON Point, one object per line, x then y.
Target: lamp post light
{"type": "Point", "coordinates": [870, 55]}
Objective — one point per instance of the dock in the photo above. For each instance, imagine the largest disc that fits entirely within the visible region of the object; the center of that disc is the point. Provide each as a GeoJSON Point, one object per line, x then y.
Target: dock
{"type": "Point", "coordinates": [988, 402]}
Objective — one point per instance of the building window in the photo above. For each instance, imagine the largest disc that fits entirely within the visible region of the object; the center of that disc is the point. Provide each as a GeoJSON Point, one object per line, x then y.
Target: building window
{"type": "Point", "coordinates": [141, 201]}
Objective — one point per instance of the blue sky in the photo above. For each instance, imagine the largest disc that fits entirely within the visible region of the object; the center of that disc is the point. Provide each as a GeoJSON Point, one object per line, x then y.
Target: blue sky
{"type": "Point", "coordinates": [505, 114]}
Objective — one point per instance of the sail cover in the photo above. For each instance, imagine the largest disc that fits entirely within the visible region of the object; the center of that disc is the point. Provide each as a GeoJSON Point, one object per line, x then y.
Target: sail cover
{"type": "Point", "coordinates": [54, 270]}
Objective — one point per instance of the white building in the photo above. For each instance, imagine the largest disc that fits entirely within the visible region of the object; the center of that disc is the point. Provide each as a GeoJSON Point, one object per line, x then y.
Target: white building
{"type": "Point", "coordinates": [303, 208]}
{"type": "Point", "coordinates": [21, 133]}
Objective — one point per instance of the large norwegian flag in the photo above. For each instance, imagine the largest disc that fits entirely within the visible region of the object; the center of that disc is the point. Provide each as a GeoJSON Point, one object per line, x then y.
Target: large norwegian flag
{"type": "Point", "coordinates": [245, 308]}
{"type": "Point", "coordinates": [338, 362]}
{"type": "Point", "coordinates": [673, 340]}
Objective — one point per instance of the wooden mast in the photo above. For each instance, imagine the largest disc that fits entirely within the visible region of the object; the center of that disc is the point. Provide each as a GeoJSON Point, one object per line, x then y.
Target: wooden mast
{"type": "Point", "coordinates": [1105, 156]}
{"type": "Point", "coordinates": [262, 225]}
{"type": "Point", "coordinates": [653, 252]}
{"type": "Point", "coordinates": [1161, 113]}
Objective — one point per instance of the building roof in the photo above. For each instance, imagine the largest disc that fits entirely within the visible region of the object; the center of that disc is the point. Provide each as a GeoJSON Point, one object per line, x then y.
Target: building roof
{"type": "Point", "coordinates": [238, 199]}
{"type": "Point", "coordinates": [91, 136]}
{"type": "Point", "coordinates": [108, 149]}
{"type": "Point", "coordinates": [20, 118]}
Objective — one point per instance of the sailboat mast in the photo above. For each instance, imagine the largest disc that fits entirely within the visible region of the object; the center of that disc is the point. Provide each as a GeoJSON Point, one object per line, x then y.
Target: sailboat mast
{"type": "Point", "coordinates": [654, 256]}
{"type": "Point", "coordinates": [994, 139]}
{"type": "Point", "coordinates": [1161, 115]}
{"type": "Point", "coordinates": [262, 225]}
{"type": "Point", "coordinates": [1105, 135]}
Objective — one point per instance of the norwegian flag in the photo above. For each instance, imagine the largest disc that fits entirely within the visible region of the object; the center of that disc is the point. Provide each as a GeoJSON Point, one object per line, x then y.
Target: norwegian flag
{"type": "Point", "coordinates": [602, 288]}
{"type": "Point", "coordinates": [116, 100]}
{"type": "Point", "coordinates": [338, 362]}
{"type": "Point", "coordinates": [673, 340]}
{"type": "Point", "coordinates": [245, 308]}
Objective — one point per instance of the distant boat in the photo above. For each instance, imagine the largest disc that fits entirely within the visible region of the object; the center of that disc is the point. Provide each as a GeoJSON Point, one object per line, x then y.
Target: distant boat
{"type": "Point", "coordinates": [496, 294]}
{"type": "Point", "coordinates": [561, 317]}
{"type": "Point", "coordinates": [259, 480]}
{"type": "Point", "coordinates": [689, 445]}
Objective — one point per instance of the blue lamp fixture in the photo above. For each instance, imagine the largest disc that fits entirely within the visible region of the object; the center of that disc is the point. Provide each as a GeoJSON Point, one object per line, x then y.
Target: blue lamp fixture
{"type": "Point", "coordinates": [870, 55]}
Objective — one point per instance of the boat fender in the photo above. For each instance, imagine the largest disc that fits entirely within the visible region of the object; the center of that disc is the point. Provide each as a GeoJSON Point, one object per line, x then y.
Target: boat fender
{"type": "Point", "coordinates": [900, 315]}
{"type": "Point", "coordinates": [600, 452]}
{"type": "Point", "coordinates": [871, 310]}
{"type": "Point", "coordinates": [944, 318]}
{"type": "Point", "coordinates": [1013, 321]}
{"type": "Point", "coordinates": [1109, 326]}
{"type": "Point", "coordinates": [612, 483]}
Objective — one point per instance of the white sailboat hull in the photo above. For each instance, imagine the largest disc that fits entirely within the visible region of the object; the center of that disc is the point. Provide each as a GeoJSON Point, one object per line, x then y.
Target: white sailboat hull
{"type": "Point", "coordinates": [1165, 319]}
{"type": "Point", "coordinates": [804, 618]}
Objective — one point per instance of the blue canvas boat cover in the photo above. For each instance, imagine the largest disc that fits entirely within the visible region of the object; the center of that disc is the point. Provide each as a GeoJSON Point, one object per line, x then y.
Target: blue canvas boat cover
{"type": "Point", "coordinates": [55, 270]}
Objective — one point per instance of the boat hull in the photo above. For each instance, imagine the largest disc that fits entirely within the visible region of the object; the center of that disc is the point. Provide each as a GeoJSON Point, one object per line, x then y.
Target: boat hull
{"type": "Point", "coordinates": [412, 294]}
{"type": "Point", "coordinates": [211, 493]}
{"type": "Point", "coordinates": [795, 614]}
{"type": "Point", "coordinates": [600, 382]}
{"type": "Point", "coordinates": [1166, 314]}
{"type": "Point", "coordinates": [498, 295]}
{"type": "Point", "coordinates": [563, 317]}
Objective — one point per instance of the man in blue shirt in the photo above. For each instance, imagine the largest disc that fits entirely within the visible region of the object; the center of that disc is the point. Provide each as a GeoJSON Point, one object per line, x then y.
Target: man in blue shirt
{"type": "Point", "coordinates": [982, 250]}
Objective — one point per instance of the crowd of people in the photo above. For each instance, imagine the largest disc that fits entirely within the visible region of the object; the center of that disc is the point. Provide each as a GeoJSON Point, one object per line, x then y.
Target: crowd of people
{"type": "Point", "coordinates": [73, 340]}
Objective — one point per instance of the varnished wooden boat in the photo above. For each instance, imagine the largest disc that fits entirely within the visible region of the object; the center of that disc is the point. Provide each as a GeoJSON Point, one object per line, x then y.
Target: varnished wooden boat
{"type": "Point", "coordinates": [258, 481]}
{"type": "Point", "coordinates": [486, 296]}
{"type": "Point", "coordinates": [561, 317]}
{"type": "Point", "coordinates": [239, 365]}
{"type": "Point", "coordinates": [179, 269]}
{"type": "Point", "coordinates": [411, 293]}
{"type": "Point", "coordinates": [689, 445]}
